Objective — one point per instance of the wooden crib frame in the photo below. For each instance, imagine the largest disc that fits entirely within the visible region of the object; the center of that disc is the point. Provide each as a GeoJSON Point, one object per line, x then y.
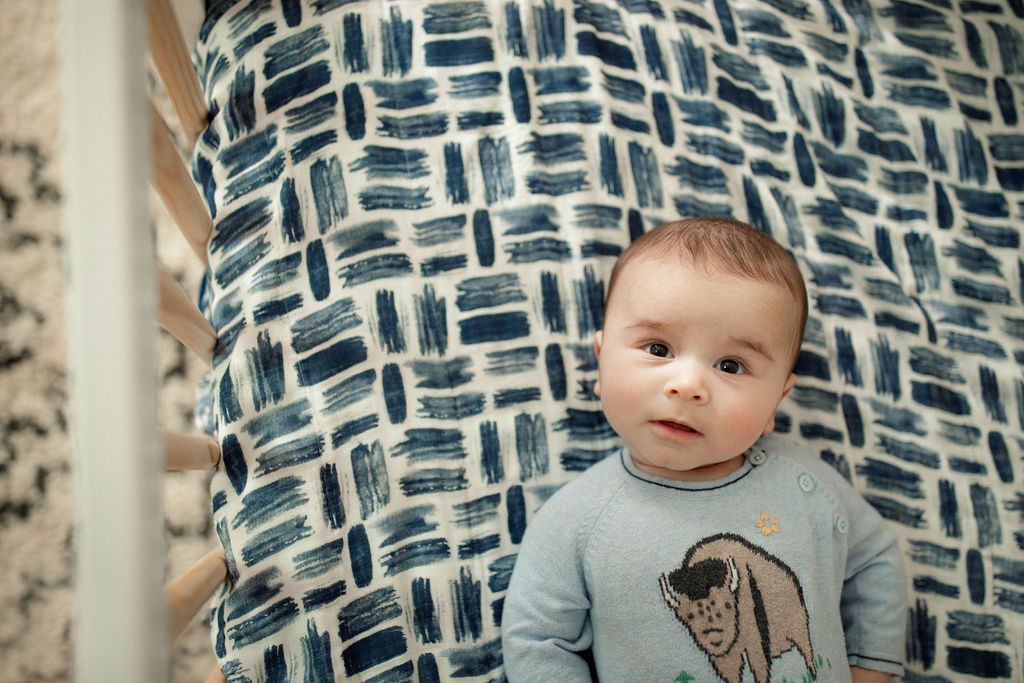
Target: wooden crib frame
{"type": "Point", "coordinates": [122, 627]}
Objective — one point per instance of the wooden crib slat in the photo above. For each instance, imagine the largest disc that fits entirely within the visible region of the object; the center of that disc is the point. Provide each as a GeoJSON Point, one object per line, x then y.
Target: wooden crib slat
{"type": "Point", "coordinates": [176, 188]}
{"type": "Point", "coordinates": [189, 451]}
{"type": "Point", "coordinates": [186, 594]}
{"type": "Point", "coordinates": [180, 317]}
{"type": "Point", "coordinates": [171, 59]}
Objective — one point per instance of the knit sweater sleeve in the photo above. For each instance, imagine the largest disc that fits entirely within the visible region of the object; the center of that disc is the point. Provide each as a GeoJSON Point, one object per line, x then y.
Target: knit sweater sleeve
{"type": "Point", "coordinates": [545, 624]}
{"type": "Point", "coordinates": [873, 601]}
{"type": "Point", "coordinates": [873, 605]}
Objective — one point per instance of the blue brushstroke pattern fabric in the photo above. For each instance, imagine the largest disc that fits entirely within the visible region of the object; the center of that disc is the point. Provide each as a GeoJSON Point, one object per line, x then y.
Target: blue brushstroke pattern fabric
{"type": "Point", "coordinates": [417, 205]}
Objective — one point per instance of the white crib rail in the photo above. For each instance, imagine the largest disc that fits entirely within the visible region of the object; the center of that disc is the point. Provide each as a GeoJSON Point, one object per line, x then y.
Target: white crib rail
{"type": "Point", "coordinates": [120, 625]}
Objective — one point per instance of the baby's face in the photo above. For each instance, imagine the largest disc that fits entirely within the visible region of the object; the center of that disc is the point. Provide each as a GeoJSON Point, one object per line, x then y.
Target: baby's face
{"type": "Point", "coordinates": [691, 365]}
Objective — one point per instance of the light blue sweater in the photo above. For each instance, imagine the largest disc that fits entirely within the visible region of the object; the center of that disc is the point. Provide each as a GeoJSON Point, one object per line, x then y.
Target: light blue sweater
{"type": "Point", "coordinates": [779, 570]}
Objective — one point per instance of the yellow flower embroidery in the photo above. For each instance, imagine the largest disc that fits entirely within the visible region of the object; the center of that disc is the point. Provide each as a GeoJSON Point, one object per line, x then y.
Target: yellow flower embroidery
{"type": "Point", "coordinates": [768, 524]}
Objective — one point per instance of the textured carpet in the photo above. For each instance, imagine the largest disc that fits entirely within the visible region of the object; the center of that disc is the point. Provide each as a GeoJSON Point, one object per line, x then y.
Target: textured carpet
{"type": "Point", "coordinates": [36, 480]}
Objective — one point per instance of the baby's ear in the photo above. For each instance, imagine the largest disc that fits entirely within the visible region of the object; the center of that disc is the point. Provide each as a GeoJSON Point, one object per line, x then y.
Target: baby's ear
{"type": "Point", "coordinates": [789, 384]}
{"type": "Point", "coordinates": [770, 427]}
{"type": "Point", "coordinates": [597, 353]}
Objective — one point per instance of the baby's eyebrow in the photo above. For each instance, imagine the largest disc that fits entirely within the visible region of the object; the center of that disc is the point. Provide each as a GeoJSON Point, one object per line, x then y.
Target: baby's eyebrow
{"type": "Point", "coordinates": [646, 325]}
{"type": "Point", "coordinates": [753, 345]}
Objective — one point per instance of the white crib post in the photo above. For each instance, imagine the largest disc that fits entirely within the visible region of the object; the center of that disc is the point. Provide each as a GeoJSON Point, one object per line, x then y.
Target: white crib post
{"type": "Point", "coordinates": [120, 627]}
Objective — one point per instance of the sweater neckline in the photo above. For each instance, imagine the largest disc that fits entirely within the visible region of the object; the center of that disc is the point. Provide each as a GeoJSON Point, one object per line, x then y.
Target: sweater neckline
{"type": "Point", "coordinates": [702, 486]}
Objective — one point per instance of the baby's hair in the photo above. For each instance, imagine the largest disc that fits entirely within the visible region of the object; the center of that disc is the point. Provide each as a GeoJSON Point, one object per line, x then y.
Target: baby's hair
{"type": "Point", "coordinates": [724, 245]}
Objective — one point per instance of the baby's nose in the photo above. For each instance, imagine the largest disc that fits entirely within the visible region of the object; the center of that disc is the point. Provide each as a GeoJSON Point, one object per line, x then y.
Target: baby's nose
{"type": "Point", "coordinates": [687, 381]}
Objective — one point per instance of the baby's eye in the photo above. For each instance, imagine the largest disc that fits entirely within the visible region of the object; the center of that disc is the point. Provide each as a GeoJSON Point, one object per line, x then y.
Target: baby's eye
{"type": "Point", "coordinates": [730, 366]}
{"type": "Point", "coordinates": [657, 349]}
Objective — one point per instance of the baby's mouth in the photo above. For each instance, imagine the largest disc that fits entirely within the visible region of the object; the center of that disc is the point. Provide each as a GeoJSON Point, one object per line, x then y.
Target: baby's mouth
{"type": "Point", "coordinates": [678, 426]}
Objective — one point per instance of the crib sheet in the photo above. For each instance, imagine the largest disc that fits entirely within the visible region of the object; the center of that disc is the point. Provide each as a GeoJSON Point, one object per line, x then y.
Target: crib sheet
{"type": "Point", "coordinates": [416, 206]}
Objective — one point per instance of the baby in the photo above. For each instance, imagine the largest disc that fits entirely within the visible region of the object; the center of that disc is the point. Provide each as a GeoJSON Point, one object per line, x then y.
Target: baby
{"type": "Point", "coordinates": [705, 547]}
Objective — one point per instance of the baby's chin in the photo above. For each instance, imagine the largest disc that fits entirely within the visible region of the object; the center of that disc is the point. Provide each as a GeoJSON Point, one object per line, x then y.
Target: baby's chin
{"type": "Point", "coordinates": [688, 471]}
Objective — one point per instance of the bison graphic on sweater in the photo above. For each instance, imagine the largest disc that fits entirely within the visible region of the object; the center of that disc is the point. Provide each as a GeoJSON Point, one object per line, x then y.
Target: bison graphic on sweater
{"type": "Point", "coordinates": [735, 598]}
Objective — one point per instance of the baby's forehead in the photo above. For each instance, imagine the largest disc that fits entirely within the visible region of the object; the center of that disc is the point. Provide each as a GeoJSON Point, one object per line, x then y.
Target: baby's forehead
{"type": "Point", "coordinates": [761, 290]}
{"type": "Point", "coordinates": [691, 267]}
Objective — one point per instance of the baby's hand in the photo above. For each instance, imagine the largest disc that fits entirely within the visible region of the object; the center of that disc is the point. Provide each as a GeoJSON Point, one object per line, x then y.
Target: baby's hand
{"type": "Point", "coordinates": [860, 675]}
